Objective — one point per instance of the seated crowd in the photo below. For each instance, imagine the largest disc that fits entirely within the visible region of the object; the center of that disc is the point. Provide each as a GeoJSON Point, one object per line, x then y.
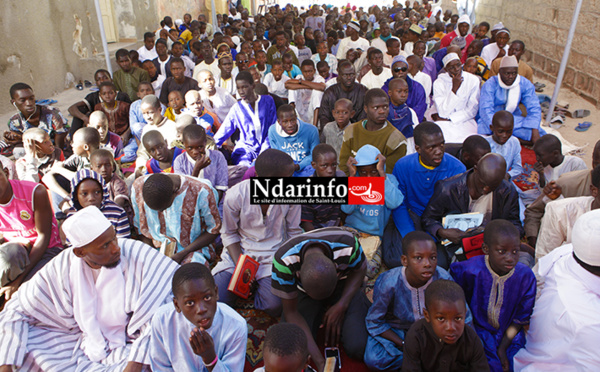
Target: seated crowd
{"type": "Point", "coordinates": [122, 228]}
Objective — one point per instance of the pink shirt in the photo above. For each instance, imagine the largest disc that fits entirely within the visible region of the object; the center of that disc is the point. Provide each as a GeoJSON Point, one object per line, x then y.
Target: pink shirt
{"type": "Point", "coordinates": [17, 220]}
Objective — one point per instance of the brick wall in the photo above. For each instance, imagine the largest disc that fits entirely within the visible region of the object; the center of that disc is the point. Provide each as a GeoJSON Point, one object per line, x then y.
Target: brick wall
{"type": "Point", "coordinates": [543, 25]}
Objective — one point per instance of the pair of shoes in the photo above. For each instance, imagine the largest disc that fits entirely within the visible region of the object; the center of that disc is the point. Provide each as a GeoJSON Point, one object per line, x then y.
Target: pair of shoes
{"type": "Point", "coordinates": [582, 127]}
{"type": "Point", "coordinates": [578, 114]}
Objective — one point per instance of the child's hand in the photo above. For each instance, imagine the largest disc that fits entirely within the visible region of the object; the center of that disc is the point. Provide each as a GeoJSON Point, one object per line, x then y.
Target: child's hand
{"type": "Point", "coordinates": [351, 164]}
{"type": "Point", "coordinates": [201, 163]}
{"type": "Point", "coordinates": [503, 359]}
{"type": "Point", "coordinates": [538, 167]}
{"type": "Point", "coordinates": [552, 190]}
{"type": "Point", "coordinates": [12, 137]}
{"type": "Point", "coordinates": [454, 235]}
{"type": "Point", "coordinates": [203, 345]}
{"type": "Point", "coordinates": [381, 165]}
{"type": "Point", "coordinates": [332, 321]}
{"type": "Point", "coordinates": [29, 146]}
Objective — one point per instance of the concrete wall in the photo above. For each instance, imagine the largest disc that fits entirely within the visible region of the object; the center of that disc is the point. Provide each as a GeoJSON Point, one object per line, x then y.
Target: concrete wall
{"type": "Point", "coordinates": [543, 26]}
{"type": "Point", "coordinates": [177, 8]}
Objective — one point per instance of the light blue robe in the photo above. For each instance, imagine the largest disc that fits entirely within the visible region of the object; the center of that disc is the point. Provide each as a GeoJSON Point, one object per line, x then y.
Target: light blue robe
{"type": "Point", "coordinates": [396, 306]}
{"type": "Point", "coordinates": [170, 348]}
{"type": "Point", "coordinates": [493, 99]}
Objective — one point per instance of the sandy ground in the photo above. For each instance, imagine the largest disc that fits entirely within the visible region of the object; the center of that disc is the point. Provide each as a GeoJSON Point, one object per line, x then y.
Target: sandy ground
{"type": "Point", "coordinates": [585, 139]}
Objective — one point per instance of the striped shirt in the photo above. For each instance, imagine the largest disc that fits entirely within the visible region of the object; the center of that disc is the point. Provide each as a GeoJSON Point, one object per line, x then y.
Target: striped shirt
{"type": "Point", "coordinates": [345, 251]}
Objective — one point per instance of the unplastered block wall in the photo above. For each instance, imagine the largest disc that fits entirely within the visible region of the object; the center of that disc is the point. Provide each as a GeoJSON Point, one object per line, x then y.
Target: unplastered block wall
{"type": "Point", "coordinates": [543, 25]}
{"type": "Point", "coordinates": [42, 40]}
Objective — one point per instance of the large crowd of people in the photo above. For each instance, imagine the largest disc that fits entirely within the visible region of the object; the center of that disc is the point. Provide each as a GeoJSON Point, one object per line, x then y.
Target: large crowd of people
{"type": "Point", "coordinates": [122, 226]}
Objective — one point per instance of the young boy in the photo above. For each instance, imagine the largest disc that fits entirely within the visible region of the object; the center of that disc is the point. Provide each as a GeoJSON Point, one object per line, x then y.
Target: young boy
{"type": "Point", "coordinates": [324, 55]}
{"type": "Point", "coordinates": [117, 112]}
{"type": "Point", "coordinates": [108, 139]}
{"type": "Point", "coordinates": [393, 49]}
{"type": "Point", "coordinates": [324, 70]}
{"type": "Point", "coordinates": [81, 110]}
{"type": "Point", "coordinates": [198, 161]}
{"type": "Point", "coordinates": [32, 115]}
{"type": "Point", "coordinates": [296, 138]}
{"type": "Point", "coordinates": [442, 340]}
{"type": "Point", "coordinates": [315, 216]}
{"type": "Point", "coordinates": [128, 77]}
{"type": "Point", "coordinates": [261, 63]}
{"type": "Point", "coordinates": [177, 52]}
{"type": "Point", "coordinates": [401, 116]}
{"type": "Point", "coordinates": [176, 104]}
{"type": "Point", "coordinates": [85, 141]}
{"type": "Point", "coordinates": [275, 80]}
{"type": "Point", "coordinates": [178, 81]}
{"type": "Point", "coordinates": [226, 79]}
{"type": "Point", "coordinates": [377, 74]}
{"type": "Point", "coordinates": [399, 301]}
{"type": "Point", "coordinates": [103, 163]}
{"type": "Point", "coordinates": [215, 99]}
{"type": "Point", "coordinates": [285, 349]}
{"type": "Point", "coordinates": [152, 112]}
{"type": "Point", "coordinates": [147, 51]}
{"type": "Point", "coordinates": [156, 80]}
{"type": "Point", "coordinates": [195, 107]}
{"type": "Point", "coordinates": [304, 53]}
{"type": "Point", "coordinates": [374, 131]}
{"type": "Point", "coordinates": [40, 156]}
{"type": "Point", "coordinates": [163, 157]}
{"type": "Point", "coordinates": [501, 292]}
{"type": "Point", "coordinates": [334, 131]}
{"type": "Point", "coordinates": [256, 230]}
{"type": "Point", "coordinates": [253, 137]}
{"type": "Point", "coordinates": [504, 143]}
{"type": "Point", "coordinates": [551, 162]}
{"type": "Point", "coordinates": [366, 218]}
{"type": "Point", "coordinates": [89, 188]}
{"type": "Point", "coordinates": [306, 91]}
{"type": "Point", "coordinates": [196, 332]}
{"type": "Point", "coordinates": [172, 208]}
{"type": "Point", "coordinates": [289, 68]}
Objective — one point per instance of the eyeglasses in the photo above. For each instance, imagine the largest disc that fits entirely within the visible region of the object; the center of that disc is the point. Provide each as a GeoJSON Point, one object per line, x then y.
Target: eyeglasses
{"type": "Point", "coordinates": [246, 61]}
{"type": "Point", "coordinates": [398, 69]}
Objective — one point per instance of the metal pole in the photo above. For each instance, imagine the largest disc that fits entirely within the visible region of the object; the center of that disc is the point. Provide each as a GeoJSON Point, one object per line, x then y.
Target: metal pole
{"type": "Point", "coordinates": [563, 62]}
{"type": "Point", "coordinates": [103, 36]}
{"type": "Point", "coordinates": [213, 14]}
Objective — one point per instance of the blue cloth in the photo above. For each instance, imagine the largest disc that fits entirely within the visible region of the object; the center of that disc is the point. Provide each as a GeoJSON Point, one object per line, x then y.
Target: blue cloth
{"type": "Point", "coordinates": [416, 184]}
{"type": "Point", "coordinates": [372, 218]}
{"type": "Point", "coordinates": [510, 298]}
{"type": "Point", "coordinates": [295, 72]}
{"type": "Point", "coordinates": [511, 151]}
{"type": "Point", "coordinates": [396, 306]}
{"type": "Point", "coordinates": [493, 99]}
{"type": "Point", "coordinates": [401, 118]}
{"type": "Point", "coordinates": [298, 145]}
{"type": "Point", "coordinates": [416, 96]}
{"type": "Point", "coordinates": [438, 56]}
{"type": "Point", "coordinates": [136, 119]}
{"type": "Point", "coordinates": [250, 143]}
{"type": "Point", "coordinates": [130, 151]}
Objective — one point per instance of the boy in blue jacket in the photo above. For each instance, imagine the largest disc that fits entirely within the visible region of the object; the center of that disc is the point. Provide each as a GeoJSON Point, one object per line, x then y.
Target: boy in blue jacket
{"type": "Point", "coordinates": [372, 218]}
{"type": "Point", "coordinates": [296, 138]}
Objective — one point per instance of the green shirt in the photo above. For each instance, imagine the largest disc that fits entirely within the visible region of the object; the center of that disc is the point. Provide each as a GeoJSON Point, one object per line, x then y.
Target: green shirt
{"type": "Point", "coordinates": [128, 82]}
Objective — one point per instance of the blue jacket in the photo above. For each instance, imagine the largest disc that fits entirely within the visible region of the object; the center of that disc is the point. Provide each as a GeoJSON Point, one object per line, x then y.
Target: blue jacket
{"type": "Point", "coordinates": [417, 183]}
{"type": "Point", "coordinates": [372, 218]}
{"type": "Point", "coordinates": [299, 145]}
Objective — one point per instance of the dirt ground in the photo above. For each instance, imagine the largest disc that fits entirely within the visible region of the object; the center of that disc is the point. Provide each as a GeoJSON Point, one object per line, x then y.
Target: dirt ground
{"type": "Point", "coordinates": [585, 139]}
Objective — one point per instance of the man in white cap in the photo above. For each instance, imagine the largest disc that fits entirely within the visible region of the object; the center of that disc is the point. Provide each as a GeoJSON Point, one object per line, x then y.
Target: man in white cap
{"type": "Point", "coordinates": [352, 41]}
{"type": "Point", "coordinates": [564, 330]}
{"type": "Point", "coordinates": [456, 99]}
{"type": "Point", "coordinates": [90, 307]}
{"type": "Point", "coordinates": [508, 91]}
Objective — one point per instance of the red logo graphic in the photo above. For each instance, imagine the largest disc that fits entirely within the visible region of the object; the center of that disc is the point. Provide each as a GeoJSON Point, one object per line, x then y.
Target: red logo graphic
{"type": "Point", "coordinates": [366, 190]}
